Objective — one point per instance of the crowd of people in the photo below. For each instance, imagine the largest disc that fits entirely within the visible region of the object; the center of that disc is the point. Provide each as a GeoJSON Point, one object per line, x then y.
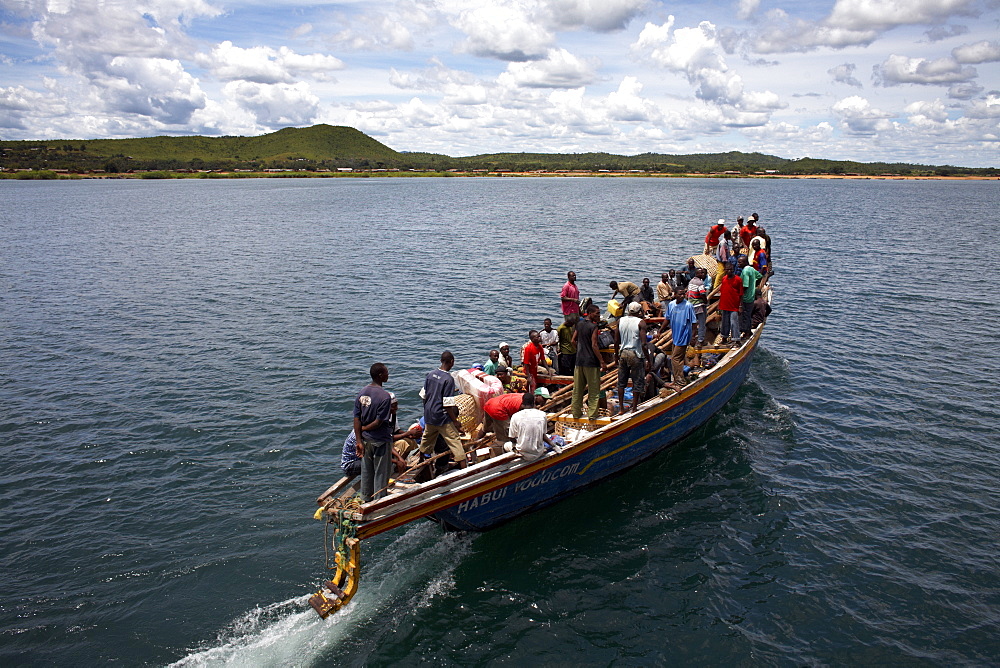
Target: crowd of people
{"type": "Point", "coordinates": [584, 346]}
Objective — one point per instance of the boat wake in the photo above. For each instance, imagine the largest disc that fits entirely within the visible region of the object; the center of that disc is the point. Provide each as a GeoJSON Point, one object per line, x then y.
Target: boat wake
{"type": "Point", "coordinates": [409, 573]}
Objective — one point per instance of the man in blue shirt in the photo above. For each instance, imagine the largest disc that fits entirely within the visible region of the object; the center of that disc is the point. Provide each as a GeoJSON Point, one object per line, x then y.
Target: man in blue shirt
{"type": "Point", "coordinates": [440, 412]}
{"type": "Point", "coordinates": [682, 317]}
{"type": "Point", "coordinates": [373, 434]}
{"type": "Point", "coordinates": [350, 463]}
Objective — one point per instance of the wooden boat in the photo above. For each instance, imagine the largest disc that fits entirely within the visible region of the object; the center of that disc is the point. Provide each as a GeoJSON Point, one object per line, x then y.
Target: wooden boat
{"type": "Point", "coordinates": [499, 486]}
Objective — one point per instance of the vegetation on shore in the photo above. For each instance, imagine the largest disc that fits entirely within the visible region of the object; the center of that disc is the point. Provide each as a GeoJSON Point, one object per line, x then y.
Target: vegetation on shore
{"type": "Point", "coordinates": [327, 150]}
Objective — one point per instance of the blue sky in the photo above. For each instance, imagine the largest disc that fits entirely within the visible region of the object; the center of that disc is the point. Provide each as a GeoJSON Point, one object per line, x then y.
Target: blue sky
{"type": "Point", "coordinates": [894, 80]}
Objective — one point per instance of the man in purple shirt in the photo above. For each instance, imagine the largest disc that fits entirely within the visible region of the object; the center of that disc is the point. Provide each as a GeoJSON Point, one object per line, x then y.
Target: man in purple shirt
{"type": "Point", "coordinates": [373, 434]}
{"type": "Point", "coordinates": [441, 413]}
{"type": "Point", "coordinates": [570, 295]}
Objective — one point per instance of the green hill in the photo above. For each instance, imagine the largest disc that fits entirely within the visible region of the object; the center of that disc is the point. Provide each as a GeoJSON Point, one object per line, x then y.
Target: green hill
{"type": "Point", "coordinates": [316, 144]}
{"type": "Point", "coordinates": [326, 147]}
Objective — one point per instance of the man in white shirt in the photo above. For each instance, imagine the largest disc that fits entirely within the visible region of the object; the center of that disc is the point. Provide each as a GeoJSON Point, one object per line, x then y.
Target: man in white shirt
{"type": "Point", "coordinates": [527, 428]}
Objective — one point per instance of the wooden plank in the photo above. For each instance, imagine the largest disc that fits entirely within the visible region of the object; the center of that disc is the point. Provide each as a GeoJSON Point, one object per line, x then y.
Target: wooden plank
{"type": "Point", "coordinates": [470, 471]}
{"type": "Point", "coordinates": [334, 490]}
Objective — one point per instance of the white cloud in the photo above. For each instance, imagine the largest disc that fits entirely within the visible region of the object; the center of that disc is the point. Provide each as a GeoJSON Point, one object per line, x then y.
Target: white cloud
{"type": "Point", "coordinates": [853, 23]}
{"type": "Point", "coordinates": [978, 52]}
{"type": "Point", "coordinates": [747, 8]}
{"type": "Point", "coordinates": [274, 105]}
{"type": "Point", "coordinates": [505, 32]}
{"type": "Point", "coordinates": [559, 69]}
{"type": "Point", "coordinates": [964, 91]}
{"type": "Point", "coordinates": [886, 14]}
{"type": "Point", "coordinates": [389, 29]}
{"type": "Point", "coordinates": [626, 104]}
{"type": "Point", "coordinates": [858, 117]}
{"type": "Point", "coordinates": [597, 15]}
{"type": "Point", "coordinates": [845, 74]}
{"type": "Point", "coordinates": [942, 32]}
{"type": "Point", "coordinates": [20, 106]}
{"type": "Point", "coordinates": [264, 65]}
{"type": "Point", "coordinates": [933, 111]}
{"type": "Point", "coordinates": [986, 109]}
{"type": "Point", "coordinates": [903, 70]}
{"type": "Point", "coordinates": [155, 87]}
{"type": "Point", "coordinates": [697, 53]}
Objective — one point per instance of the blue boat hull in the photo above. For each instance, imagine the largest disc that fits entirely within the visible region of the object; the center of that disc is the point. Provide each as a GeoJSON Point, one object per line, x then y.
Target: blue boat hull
{"type": "Point", "coordinates": [619, 447]}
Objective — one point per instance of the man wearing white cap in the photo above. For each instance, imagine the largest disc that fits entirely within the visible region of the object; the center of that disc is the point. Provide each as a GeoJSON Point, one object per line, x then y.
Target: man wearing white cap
{"type": "Point", "coordinates": [630, 352]}
{"type": "Point", "coordinates": [715, 232]}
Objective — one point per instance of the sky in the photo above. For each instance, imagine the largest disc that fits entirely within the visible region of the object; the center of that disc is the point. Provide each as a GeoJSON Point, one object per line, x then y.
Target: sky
{"type": "Point", "coordinates": [866, 80]}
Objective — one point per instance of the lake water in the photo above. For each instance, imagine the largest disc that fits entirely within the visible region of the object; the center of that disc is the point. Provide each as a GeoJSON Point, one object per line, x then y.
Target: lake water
{"type": "Point", "coordinates": [179, 361]}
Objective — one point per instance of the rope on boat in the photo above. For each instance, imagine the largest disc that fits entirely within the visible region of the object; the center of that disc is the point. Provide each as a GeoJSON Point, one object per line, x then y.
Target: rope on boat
{"type": "Point", "coordinates": [347, 557]}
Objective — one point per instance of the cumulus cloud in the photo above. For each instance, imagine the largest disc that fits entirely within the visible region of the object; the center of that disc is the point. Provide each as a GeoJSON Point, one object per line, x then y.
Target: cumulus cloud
{"type": "Point", "coordinates": [596, 15]}
{"type": "Point", "coordinates": [938, 33]}
{"type": "Point", "coordinates": [697, 53]}
{"type": "Point", "coordinates": [845, 74]}
{"type": "Point", "coordinates": [274, 105]}
{"type": "Point", "coordinates": [977, 53]}
{"type": "Point", "coordinates": [986, 109]}
{"type": "Point", "coordinates": [264, 65]}
{"type": "Point", "coordinates": [964, 91]}
{"type": "Point", "coordinates": [128, 55]}
{"type": "Point", "coordinates": [898, 70]}
{"type": "Point", "coordinates": [505, 32]}
{"type": "Point", "coordinates": [627, 104]}
{"type": "Point", "coordinates": [155, 87]}
{"type": "Point", "coordinates": [853, 23]}
{"type": "Point", "coordinates": [384, 29]}
{"type": "Point", "coordinates": [746, 9]}
{"type": "Point", "coordinates": [19, 106]}
{"type": "Point", "coordinates": [559, 69]}
{"type": "Point", "coordinates": [858, 117]}
{"type": "Point", "coordinates": [930, 111]}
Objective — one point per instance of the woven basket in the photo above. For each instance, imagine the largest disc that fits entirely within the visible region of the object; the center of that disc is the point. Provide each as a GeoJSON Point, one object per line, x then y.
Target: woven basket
{"type": "Point", "coordinates": [466, 405]}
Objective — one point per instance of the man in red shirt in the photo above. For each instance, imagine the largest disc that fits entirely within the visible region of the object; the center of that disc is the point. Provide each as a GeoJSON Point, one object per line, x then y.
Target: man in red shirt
{"type": "Point", "coordinates": [748, 232]}
{"type": "Point", "coordinates": [532, 355]}
{"type": "Point", "coordinates": [499, 411]}
{"type": "Point", "coordinates": [730, 292]}
{"type": "Point", "coordinates": [712, 238]}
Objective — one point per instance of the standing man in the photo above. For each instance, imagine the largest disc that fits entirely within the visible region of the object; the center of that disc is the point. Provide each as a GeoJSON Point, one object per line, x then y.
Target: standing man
{"type": "Point", "coordinates": [567, 344]}
{"type": "Point", "coordinates": [532, 355]}
{"type": "Point", "coordinates": [665, 289]}
{"type": "Point", "coordinates": [749, 276]}
{"type": "Point", "coordinates": [748, 232]}
{"type": "Point", "coordinates": [589, 364]}
{"type": "Point", "coordinates": [550, 342]}
{"type": "Point", "coordinates": [697, 294]}
{"type": "Point", "coordinates": [735, 235]}
{"type": "Point", "coordinates": [682, 317]}
{"type": "Point", "coordinates": [712, 238]}
{"type": "Point", "coordinates": [729, 303]}
{"type": "Point", "coordinates": [570, 295]}
{"type": "Point", "coordinates": [633, 361]}
{"type": "Point", "coordinates": [630, 291]}
{"type": "Point", "coordinates": [373, 434]}
{"type": "Point", "coordinates": [759, 255]}
{"type": "Point", "coordinates": [440, 412]}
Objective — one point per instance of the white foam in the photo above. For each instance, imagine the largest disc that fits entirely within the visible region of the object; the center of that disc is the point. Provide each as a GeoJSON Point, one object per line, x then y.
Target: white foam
{"type": "Point", "coordinates": [416, 567]}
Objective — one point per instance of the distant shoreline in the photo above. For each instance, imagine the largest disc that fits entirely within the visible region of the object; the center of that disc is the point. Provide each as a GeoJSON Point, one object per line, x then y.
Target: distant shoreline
{"type": "Point", "coordinates": [361, 174]}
